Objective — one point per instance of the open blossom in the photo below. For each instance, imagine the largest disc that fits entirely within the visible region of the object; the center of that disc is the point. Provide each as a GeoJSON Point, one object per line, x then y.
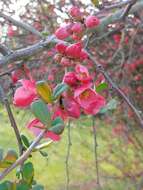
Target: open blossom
{"type": "Point", "coordinates": [82, 73]}
{"type": "Point", "coordinates": [71, 107]}
{"type": "Point", "coordinates": [25, 94]}
{"type": "Point", "coordinates": [89, 100]}
{"type": "Point", "coordinates": [35, 126]}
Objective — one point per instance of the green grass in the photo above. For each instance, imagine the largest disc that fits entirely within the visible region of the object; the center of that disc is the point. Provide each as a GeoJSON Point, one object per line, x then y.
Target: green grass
{"type": "Point", "coordinates": [119, 160]}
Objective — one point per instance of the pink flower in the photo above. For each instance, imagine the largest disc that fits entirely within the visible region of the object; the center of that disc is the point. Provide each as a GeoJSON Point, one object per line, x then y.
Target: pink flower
{"type": "Point", "coordinates": [70, 78]}
{"type": "Point", "coordinates": [62, 33]}
{"type": "Point", "coordinates": [82, 73]}
{"type": "Point", "coordinates": [72, 107]}
{"type": "Point", "coordinates": [25, 94]}
{"type": "Point", "coordinates": [92, 21]}
{"type": "Point", "coordinates": [61, 48]}
{"type": "Point", "coordinates": [74, 50]}
{"type": "Point", "coordinates": [90, 101]}
{"type": "Point", "coordinates": [75, 12]}
{"type": "Point", "coordinates": [35, 126]}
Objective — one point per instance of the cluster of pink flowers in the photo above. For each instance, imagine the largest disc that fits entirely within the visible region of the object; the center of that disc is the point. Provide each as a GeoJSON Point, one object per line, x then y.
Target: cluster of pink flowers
{"type": "Point", "coordinates": [77, 26]}
{"type": "Point", "coordinates": [80, 96]}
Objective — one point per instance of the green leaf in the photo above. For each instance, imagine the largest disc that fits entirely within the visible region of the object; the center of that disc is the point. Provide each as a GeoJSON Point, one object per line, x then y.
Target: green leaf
{"type": "Point", "coordinates": [57, 126]}
{"type": "Point", "coordinates": [101, 86]}
{"type": "Point", "coordinates": [8, 159]}
{"type": "Point", "coordinates": [95, 2]}
{"type": "Point", "coordinates": [111, 105]}
{"type": "Point", "coordinates": [44, 91]}
{"type": "Point", "coordinates": [28, 172]}
{"type": "Point", "coordinates": [43, 153]}
{"type": "Point", "coordinates": [40, 110]}
{"type": "Point", "coordinates": [25, 140]}
{"type": "Point", "coordinates": [38, 187]}
{"type": "Point", "coordinates": [22, 187]}
{"type": "Point", "coordinates": [7, 185]}
{"type": "Point", "coordinates": [59, 89]}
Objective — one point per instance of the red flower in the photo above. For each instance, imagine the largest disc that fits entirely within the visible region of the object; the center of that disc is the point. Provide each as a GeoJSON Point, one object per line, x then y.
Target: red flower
{"type": "Point", "coordinates": [92, 21]}
{"type": "Point", "coordinates": [61, 48]}
{"type": "Point", "coordinates": [35, 126]}
{"type": "Point", "coordinates": [25, 94]}
{"type": "Point", "coordinates": [70, 78]}
{"type": "Point", "coordinates": [82, 73]}
{"type": "Point", "coordinates": [89, 100]}
{"type": "Point", "coordinates": [72, 107]}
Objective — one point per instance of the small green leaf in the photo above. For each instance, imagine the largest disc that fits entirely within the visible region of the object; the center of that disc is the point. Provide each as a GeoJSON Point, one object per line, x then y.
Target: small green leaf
{"type": "Point", "coordinates": [28, 172]}
{"type": "Point", "coordinates": [44, 91]}
{"type": "Point", "coordinates": [40, 110]}
{"type": "Point", "coordinates": [25, 140]}
{"type": "Point", "coordinates": [8, 159]}
{"type": "Point", "coordinates": [57, 126]}
{"type": "Point", "coordinates": [59, 89]}
{"type": "Point", "coordinates": [101, 86]}
{"type": "Point", "coordinates": [95, 2]}
{"type": "Point", "coordinates": [43, 153]}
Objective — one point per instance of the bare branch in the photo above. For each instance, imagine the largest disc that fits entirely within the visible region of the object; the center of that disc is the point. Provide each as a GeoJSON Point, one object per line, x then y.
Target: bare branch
{"type": "Point", "coordinates": [21, 25]}
{"type": "Point", "coordinates": [100, 69]}
{"type": "Point", "coordinates": [12, 120]}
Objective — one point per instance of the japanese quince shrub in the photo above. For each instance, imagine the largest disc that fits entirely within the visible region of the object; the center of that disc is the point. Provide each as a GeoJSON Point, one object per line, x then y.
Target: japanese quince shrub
{"type": "Point", "coordinates": [54, 104]}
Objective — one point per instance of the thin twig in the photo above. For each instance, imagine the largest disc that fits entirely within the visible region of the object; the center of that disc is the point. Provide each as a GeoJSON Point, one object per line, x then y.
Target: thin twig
{"type": "Point", "coordinates": [95, 151]}
{"type": "Point", "coordinates": [100, 69]}
{"type": "Point", "coordinates": [20, 24]}
{"type": "Point", "coordinates": [24, 156]}
{"type": "Point", "coordinates": [68, 155]}
{"type": "Point", "coordinates": [12, 120]}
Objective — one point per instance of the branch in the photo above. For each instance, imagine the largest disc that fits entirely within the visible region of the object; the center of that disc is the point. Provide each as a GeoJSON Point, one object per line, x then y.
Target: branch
{"type": "Point", "coordinates": [4, 50]}
{"type": "Point", "coordinates": [24, 156]}
{"type": "Point", "coordinates": [127, 9]}
{"type": "Point", "coordinates": [12, 120]}
{"type": "Point", "coordinates": [21, 25]}
{"type": "Point", "coordinates": [28, 51]}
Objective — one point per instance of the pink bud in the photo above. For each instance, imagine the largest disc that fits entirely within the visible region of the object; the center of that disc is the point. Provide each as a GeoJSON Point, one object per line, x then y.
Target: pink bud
{"type": "Point", "coordinates": [62, 33]}
{"type": "Point", "coordinates": [74, 50]}
{"type": "Point", "coordinates": [92, 21]}
{"type": "Point", "coordinates": [75, 12]}
{"type": "Point", "coordinates": [77, 28]}
{"type": "Point", "coordinates": [61, 48]}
